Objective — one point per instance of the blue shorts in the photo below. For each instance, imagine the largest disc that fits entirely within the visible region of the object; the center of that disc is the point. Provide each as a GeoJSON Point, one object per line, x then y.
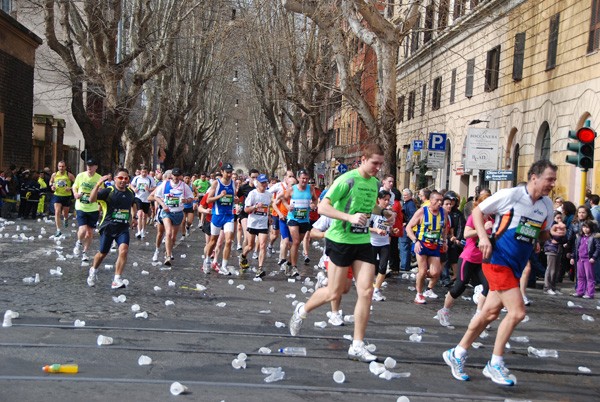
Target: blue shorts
{"type": "Point", "coordinates": [65, 201]}
{"type": "Point", "coordinates": [275, 223]}
{"type": "Point", "coordinates": [87, 218]}
{"type": "Point", "coordinates": [219, 221]}
{"type": "Point", "coordinates": [283, 229]}
{"type": "Point", "coordinates": [175, 217]}
{"type": "Point", "coordinates": [427, 251]}
{"type": "Point", "coordinates": [106, 239]}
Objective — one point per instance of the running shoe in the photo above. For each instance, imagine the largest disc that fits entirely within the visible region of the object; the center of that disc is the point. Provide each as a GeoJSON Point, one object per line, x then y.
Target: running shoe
{"type": "Point", "coordinates": [420, 299]}
{"type": "Point", "coordinates": [260, 273]}
{"type": "Point", "coordinates": [361, 354]}
{"type": "Point", "coordinates": [155, 255]}
{"type": "Point", "coordinates": [143, 234]}
{"type": "Point", "coordinates": [526, 302]}
{"type": "Point", "coordinates": [294, 272]}
{"type": "Point", "coordinates": [296, 320]}
{"type": "Point", "coordinates": [244, 262]}
{"type": "Point", "coordinates": [336, 319]}
{"type": "Point", "coordinates": [443, 317]}
{"type": "Point", "coordinates": [377, 296]}
{"type": "Point", "coordinates": [239, 247]}
{"type": "Point", "coordinates": [92, 277]}
{"type": "Point", "coordinates": [168, 261]}
{"type": "Point", "coordinates": [550, 292]}
{"type": "Point", "coordinates": [182, 238]}
{"type": "Point", "coordinates": [58, 234]}
{"type": "Point", "coordinates": [586, 297]}
{"type": "Point", "coordinates": [77, 248]}
{"type": "Point", "coordinates": [306, 259]}
{"type": "Point", "coordinates": [138, 235]}
{"type": "Point", "coordinates": [206, 267]}
{"type": "Point", "coordinates": [456, 364]}
{"type": "Point", "coordinates": [117, 284]}
{"type": "Point", "coordinates": [84, 257]}
{"type": "Point", "coordinates": [254, 255]}
{"type": "Point", "coordinates": [498, 373]}
{"type": "Point", "coordinates": [430, 294]}
{"type": "Point", "coordinates": [269, 252]}
{"type": "Point", "coordinates": [67, 223]}
{"type": "Point", "coordinates": [282, 261]}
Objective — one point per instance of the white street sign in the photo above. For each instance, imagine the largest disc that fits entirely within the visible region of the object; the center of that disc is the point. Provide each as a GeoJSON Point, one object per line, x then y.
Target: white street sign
{"type": "Point", "coordinates": [436, 159]}
{"type": "Point", "coordinates": [482, 148]}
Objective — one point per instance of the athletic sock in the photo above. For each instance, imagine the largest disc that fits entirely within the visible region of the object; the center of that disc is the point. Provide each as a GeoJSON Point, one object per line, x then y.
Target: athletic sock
{"type": "Point", "coordinates": [496, 360]}
{"type": "Point", "coordinates": [302, 312]}
{"type": "Point", "coordinates": [357, 343]}
{"type": "Point", "coordinates": [459, 351]}
{"type": "Point", "coordinates": [445, 310]}
{"type": "Point", "coordinates": [224, 263]}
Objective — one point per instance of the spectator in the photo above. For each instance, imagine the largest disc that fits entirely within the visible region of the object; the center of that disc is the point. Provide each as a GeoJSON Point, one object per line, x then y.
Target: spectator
{"type": "Point", "coordinates": [408, 210]}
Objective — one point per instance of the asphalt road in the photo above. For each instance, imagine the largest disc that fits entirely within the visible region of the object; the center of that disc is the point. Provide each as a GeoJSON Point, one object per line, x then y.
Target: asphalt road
{"type": "Point", "coordinates": [194, 341]}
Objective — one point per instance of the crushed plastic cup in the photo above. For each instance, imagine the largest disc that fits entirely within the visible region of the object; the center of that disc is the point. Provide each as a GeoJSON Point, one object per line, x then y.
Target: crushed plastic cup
{"type": "Point", "coordinates": [507, 345]}
{"type": "Point", "coordinates": [178, 388]}
{"type": "Point", "coordinates": [291, 280]}
{"type": "Point", "coordinates": [290, 296]}
{"type": "Point", "coordinates": [584, 369]}
{"type": "Point", "coordinates": [264, 351]}
{"type": "Point", "coordinates": [108, 266]}
{"type": "Point", "coordinates": [13, 314]}
{"type": "Point", "coordinates": [371, 347]}
{"type": "Point", "coordinates": [169, 302]}
{"type": "Point", "coordinates": [272, 289]}
{"type": "Point", "coordinates": [238, 364]}
{"type": "Point", "coordinates": [586, 317]}
{"type": "Point", "coordinates": [389, 363]}
{"type": "Point", "coordinates": [348, 337]}
{"type": "Point", "coordinates": [376, 368]}
{"type": "Point", "coordinates": [230, 281]}
{"type": "Point", "coordinates": [157, 288]}
{"type": "Point", "coordinates": [321, 324]}
{"type": "Point", "coordinates": [135, 308]}
{"type": "Point", "coordinates": [200, 287]}
{"type": "Point", "coordinates": [484, 335]}
{"type": "Point", "coordinates": [279, 324]}
{"type": "Point", "coordinates": [415, 338]}
{"type": "Point", "coordinates": [144, 272]}
{"type": "Point", "coordinates": [264, 312]}
{"type": "Point", "coordinates": [339, 377]}
{"type": "Point", "coordinates": [135, 264]}
{"type": "Point", "coordinates": [242, 356]}
{"type": "Point", "coordinates": [144, 360]}
{"type": "Point", "coordinates": [277, 375]}
{"type": "Point", "coordinates": [402, 399]}
{"type": "Point", "coordinates": [104, 340]}
{"type": "Point", "coordinates": [143, 314]}
{"type": "Point", "coordinates": [79, 323]}
{"type": "Point", "coordinates": [29, 280]}
{"type": "Point", "coordinates": [477, 345]}
{"type": "Point", "coordinates": [256, 279]}
{"type": "Point", "coordinates": [222, 304]}
{"type": "Point", "coordinates": [525, 319]}
{"type": "Point", "coordinates": [7, 322]}
{"type": "Point", "coordinates": [304, 289]}
{"type": "Point", "coordinates": [349, 318]}
{"type": "Point", "coordinates": [183, 256]}
{"type": "Point", "coordinates": [122, 298]}
{"type": "Point", "coordinates": [386, 375]}
{"type": "Point", "coordinates": [171, 283]}
{"type": "Point", "coordinates": [241, 287]}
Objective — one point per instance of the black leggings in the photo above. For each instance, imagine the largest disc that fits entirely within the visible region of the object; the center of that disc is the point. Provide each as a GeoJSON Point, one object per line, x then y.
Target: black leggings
{"type": "Point", "coordinates": [468, 272]}
{"type": "Point", "coordinates": [381, 255]}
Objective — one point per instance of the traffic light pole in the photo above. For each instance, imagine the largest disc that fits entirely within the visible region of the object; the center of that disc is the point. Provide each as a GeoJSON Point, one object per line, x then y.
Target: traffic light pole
{"type": "Point", "coordinates": [584, 173]}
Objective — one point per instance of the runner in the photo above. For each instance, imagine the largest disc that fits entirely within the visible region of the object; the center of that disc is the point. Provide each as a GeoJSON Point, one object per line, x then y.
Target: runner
{"type": "Point", "coordinates": [87, 212]}
{"type": "Point", "coordinates": [61, 182]}
{"type": "Point", "coordinates": [242, 194]}
{"type": "Point", "coordinates": [348, 245]}
{"type": "Point", "coordinates": [282, 212]}
{"type": "Point", "coordinates": [380, 241]}
{"type": "Point", "coordinates": [142, 185]}
{"type": "Point", "coordinates": [257, 210]}
{"type": "Point", "coordinates": [222, 195]}
{"type": "Point", "coordinates": [171, 195]}
{"type": "Point", "coordinates": [276, 189]}
{"type": "Point", "coordinates": [160, 227]}
{"type": "Point", "coordinates": [202, 185]}
{"type": "Point", "coordinates": [188, 209]}
{"type": "Point", "coordinates": [522, 220]}
{"type": "Point", "coordinates": [430, 230]}
{"type": "Point", "coordinates": [118, 206]}
{"type": "Point", "coordinates": [298, 200]}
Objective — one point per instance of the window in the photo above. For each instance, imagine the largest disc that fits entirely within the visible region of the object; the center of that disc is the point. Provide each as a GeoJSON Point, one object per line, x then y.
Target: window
{"type": "Point", "coordinates": [492, 69]}
{"type": "Point", "coordinates": [470, 77]}
{"type": "Point", "coordinates": [416, 30]}
{"type": "Point", "coordinates": [459, 8]}
{"type": "Point", "coordinates": [553, 42]}
{"type": "Point", "coordinates": [543, 142]}
{"type": "Point", "coordinates": [423, 99]}
{"type": "Point", "coordinates": [401, 108]}
{"type": "Point", "coordinates": [594, 40]}
{"type": "Point", "coordinates": [233, 11]}
{"type": "Point", "coordinates": [7, 6]}
{"type": "Point", "coordinates": [429, 16]}
{"type": "Point", "coordinates": [436, 97]}
{"type": "Point", "coordinates": [443, 14]}
{"type": "Point", "coordinates": [406, 46]}
{"type": "Point", "coordinates": [519, 56]}
{"type": "Point", "coordinates": [390, 8]}
{"type": "Point", "coordinates": [453, 87]}
{"type": "Point", "coordinates": [411, 105]}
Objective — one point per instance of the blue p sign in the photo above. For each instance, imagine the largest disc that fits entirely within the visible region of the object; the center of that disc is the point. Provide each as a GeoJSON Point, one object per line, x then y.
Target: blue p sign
{"type": "Point", "coordinates": [437, 142]}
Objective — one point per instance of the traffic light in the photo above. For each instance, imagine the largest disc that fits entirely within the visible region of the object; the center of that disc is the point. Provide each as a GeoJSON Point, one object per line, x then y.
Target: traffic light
{"type": "Point", "coordinates": [583, 148]}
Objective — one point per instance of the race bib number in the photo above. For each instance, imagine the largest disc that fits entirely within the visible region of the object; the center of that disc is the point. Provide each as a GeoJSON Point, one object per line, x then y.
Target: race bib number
{"type": "Point", "coordinates": [358, 229]}
{"type": "Point", "coordinates": [431, 237]}
{"type": "Point", "coordinates": [61, 183]}
{"type": "Point", "coordinates": [261, 211]}
{"type": "Point", "coordinates": [227, 200]}
{"type": "Point", "coordinates": [384, 225]}
{"type": "Point", "coordinates": [142, 187]}
{"type": "Point", "coordinates": [172, 201]}
{"type": "Point", "coordinates": [85, 198]}
{"type": "Point", "coordinates": [301, 213]}
{"type": "Point", "coordinates": [528, 231]}
{"type": "Point", "coordinates": [120, 216]}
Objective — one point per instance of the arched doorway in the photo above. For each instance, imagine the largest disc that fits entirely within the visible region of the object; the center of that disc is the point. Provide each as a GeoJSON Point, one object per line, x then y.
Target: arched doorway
{"type": "Point", "coordinates": [543, 144]}
{"type": "Point", "coordinates": [448, 164]}
{"type": "Point", "coordinates": [515, 166]}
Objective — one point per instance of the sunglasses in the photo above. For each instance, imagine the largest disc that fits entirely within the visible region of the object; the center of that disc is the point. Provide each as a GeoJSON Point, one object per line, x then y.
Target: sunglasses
{"type": "Point", "coordinates": [303, 172]}
{"type": "Point", "coordinates": [121, 178]}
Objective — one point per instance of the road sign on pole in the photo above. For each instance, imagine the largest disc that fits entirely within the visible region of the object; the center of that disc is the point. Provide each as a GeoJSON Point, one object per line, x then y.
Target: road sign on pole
{"type": "Point", "coordinates": [437, 142]}
{"type": "Point", "coordinates": [482, 148]}
{"type": "Point", "coordinates": [342, 168]}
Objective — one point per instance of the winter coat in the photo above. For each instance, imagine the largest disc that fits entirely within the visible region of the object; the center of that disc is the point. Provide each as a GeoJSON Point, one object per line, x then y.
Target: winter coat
{"type": "Point", "coordinates": [573, 232]}
{"type": "Point", "coordinates": [593, 247]}
{"type": "Point", "coordinates": [556, 248]}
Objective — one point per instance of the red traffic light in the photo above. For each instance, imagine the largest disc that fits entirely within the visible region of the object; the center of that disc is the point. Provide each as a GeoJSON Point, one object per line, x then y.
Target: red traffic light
{"type": "Point", "coordinates": [586, 135]}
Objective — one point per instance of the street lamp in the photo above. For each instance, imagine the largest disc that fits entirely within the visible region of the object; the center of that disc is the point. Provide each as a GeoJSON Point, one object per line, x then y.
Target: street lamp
{"type": "Point", "coordinates": [477, 121]}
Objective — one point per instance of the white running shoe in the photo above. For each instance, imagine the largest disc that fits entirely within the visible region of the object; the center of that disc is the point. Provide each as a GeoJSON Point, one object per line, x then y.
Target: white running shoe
{"type": "Point", "coordinates": [360, 353]}
{"type": "Point", "coordinates": [498, 373]}
{"type": "Point", "coordinates": [526, 302]}
{"type": "Point", "coordinates": [254, 255]}
{"type": "Point", "coordinates": [117, 284]}
{"type": "Point", "coordinates": [320, 278]}
{"type": "Point", "coordinates": [456, 364]}
{"type": "Point", "coordinates": [269, 252]}
{"type": "Point", "coordinates": [92, 277]}
{"type": "Point", "coordinates": [155, 255]}
{"type": "Point", "coordinates": [296, 320]}
{"type": "Point", "coordinates": [377, 296]}
{"type": "Point", "coordinates": [84, 257]}
{"type": "Point", "coordinates": [336, 319]}
{"type": "Point", "coordinates": [430, 294]}
{"type": "Point", "coordinates": [77, 248]}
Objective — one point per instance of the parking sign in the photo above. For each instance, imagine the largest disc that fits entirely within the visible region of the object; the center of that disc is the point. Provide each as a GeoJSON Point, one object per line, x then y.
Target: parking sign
{"type": "Point", "coordinates": [437, 142]}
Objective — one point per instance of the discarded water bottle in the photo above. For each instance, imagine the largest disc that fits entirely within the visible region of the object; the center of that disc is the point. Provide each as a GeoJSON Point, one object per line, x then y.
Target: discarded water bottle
{"type": "Point", "coordinates": [29, 280]}
{"type": "Point", "coordinates": [524, 339]}
{"type": "Point", "coordinates": [104, 340]}
{"type": "Point", "coordinates": [321, 324]}
{"type": "Point", "coordinates": [414, 330]}
{"type": "Point", "coordinates": [222, 304]}
{"type": "Point", "coordinates": [145, 272]}
{"type": "Point", "coordinates": [541, 352]}
{"type": "Point", "coordinates": [241, 287]}
{"type": "Point", "coordinates": [157, 288]}
{"type": "Point", "coordinates": [61, 368]}
{"type": "Point", "coordinates": [586, 317]}
{"type": "Point", "coordinates": [293, 351]}
{"type": "Point", "coordinates": [349, 318]}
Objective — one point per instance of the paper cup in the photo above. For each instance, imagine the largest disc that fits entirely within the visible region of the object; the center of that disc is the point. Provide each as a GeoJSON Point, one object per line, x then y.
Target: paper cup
{"type": "Point", "coordinates": [178, 388]}
{"type": "Point", "coordinates": [339, 377]}
{"type": "Point", "coordinates": [104, 340]}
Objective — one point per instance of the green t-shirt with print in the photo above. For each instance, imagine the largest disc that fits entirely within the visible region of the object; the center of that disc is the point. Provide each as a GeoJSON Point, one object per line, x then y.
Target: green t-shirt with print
{"type": "Point", "coordinates": [84, 184]}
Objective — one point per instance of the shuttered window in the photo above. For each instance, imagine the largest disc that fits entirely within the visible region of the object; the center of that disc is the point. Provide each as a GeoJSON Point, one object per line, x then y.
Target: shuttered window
{"type": "Point", "coordinates": [429, 16]}
{"type": "Point", "coordinates": [470, 76]}
{"type": "Point", "coordinates": [553, 42]}
{"type": "Point", "coordinates": [594, 40]}
{"type": "Point", "coordinates": [443, 14]}
{"type": "Point", "coordinates": [436, 97]}
{"type": "Point", "coordinates": [423, 100]}
{"type": "Point", "coordinates": [453, 87]}
{"type": "Point", "coordinates": [416, 30]}
{"type": "Point", "coordinates": [519, 56]}
{"type": "Point", "coordinates": [492, 69]}
{"type": "Point", "coordinates": [411, 105]}
{"type": "Point", "coordinates": [401, 109]}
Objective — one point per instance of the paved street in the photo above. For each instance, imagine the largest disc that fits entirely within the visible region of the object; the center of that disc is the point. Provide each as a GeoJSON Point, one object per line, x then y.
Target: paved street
{"type": "Point", "coordinates": [194, 341]}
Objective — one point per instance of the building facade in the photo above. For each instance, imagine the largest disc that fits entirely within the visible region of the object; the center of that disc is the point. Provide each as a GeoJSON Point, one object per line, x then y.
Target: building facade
{"type": "Point", "coordinates": [527, 68]}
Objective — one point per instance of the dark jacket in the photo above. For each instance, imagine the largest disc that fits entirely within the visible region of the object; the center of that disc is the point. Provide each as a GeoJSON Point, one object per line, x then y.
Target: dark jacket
{"type": "Point", "coordinates": [458, 221]}
{"type": "Point", "coordinates": [408, 210]}
{"type": "Point", "coordinates": [593, 247]}
{"type": "Point", "coordinates": [550, 247]}
{"type": "Point", "coordinates": [572, 233]}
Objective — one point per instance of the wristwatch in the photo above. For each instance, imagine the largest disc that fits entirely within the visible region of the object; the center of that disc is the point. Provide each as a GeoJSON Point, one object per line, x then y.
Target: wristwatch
{"type": "Point", "coordinates": [414, 241]}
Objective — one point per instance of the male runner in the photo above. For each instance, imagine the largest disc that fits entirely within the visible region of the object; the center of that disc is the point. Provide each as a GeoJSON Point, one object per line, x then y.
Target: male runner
{"type": "Point", "coordinates": [143, 186]}
{"type": "Point", "coordinates": [117, 207]}
{"type": "Point", "coordinates": [523, 219]}
{"type": "Point", "coordinates": [350, 202]}
{"type": "Point", "coordinates": [202, 186]}
{"type": "Point", "coordinates": [61, 182]}
{"type": "Point", "coordinates": [87, 212]}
